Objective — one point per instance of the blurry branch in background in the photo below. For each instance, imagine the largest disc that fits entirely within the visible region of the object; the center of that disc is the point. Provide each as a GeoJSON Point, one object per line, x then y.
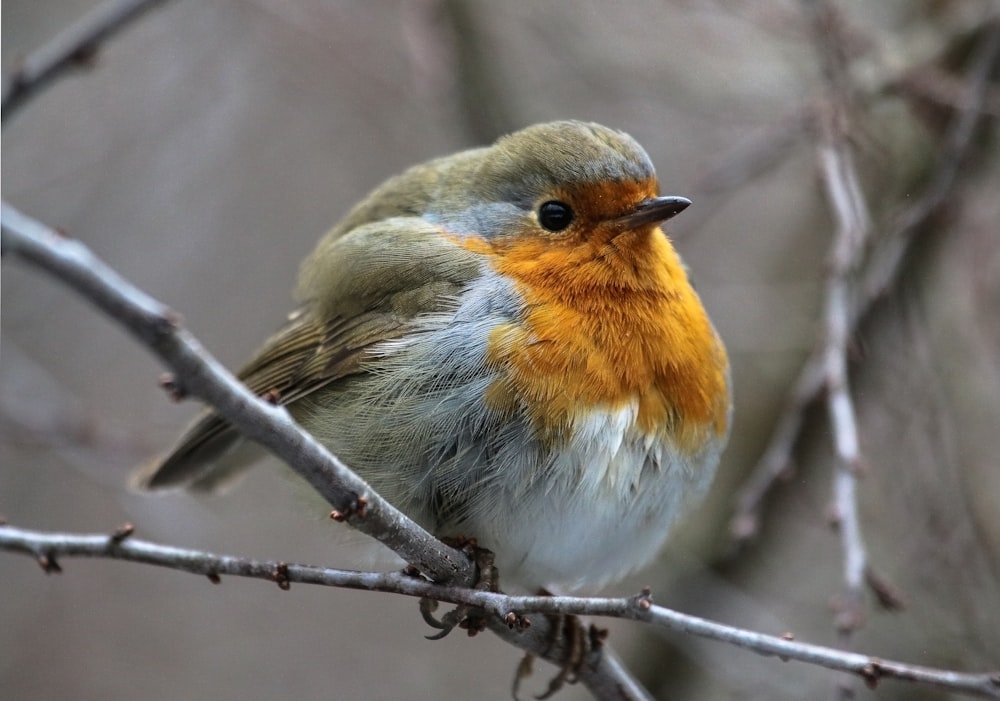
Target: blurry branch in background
{"type": "Point", "coordinates": [47, 548]}
{"type": "Point", "coordinates": [75, 47]}
{"type": "Point", "coordinates": [878, 271]}
{"type": "Point", "coordinates": [852, 231]}
{"type": "Point", "coordinates": [196, 373]}
{"type": "Point", "coordinates": [957, 141]}
{"type": "Point", "coordinates": [861, 267]}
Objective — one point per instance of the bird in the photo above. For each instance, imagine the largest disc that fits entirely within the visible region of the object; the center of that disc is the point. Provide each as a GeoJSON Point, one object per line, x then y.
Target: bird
{"type": "Point", "coordinates": [507, 346]}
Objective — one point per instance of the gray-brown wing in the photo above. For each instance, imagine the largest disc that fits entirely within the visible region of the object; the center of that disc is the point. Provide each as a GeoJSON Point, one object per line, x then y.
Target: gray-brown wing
{"type": "Point", "coordinates": [365, 286]}
{"type": "Point", "coordinates": [302, 357]}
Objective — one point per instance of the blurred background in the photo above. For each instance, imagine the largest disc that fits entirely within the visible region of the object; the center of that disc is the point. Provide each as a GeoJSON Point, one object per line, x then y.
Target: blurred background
{"type": "Point", "coordinates": [211, 143]}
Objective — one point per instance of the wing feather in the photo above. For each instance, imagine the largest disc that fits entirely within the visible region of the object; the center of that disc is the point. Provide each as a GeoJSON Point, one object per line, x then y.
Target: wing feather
{"type": "Point", "coordinates": [378, 279]}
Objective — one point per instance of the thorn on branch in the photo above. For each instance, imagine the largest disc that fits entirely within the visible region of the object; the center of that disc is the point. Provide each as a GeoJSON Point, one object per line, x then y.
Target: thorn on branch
{"type": "Point", "coordinates": [85, 56]}
{"type": "Point", "coordinates": [172, 319]}
{"type": "Point", "coordinates": [48, 564]}
{"type": "Point", "coordinates": [871, 673]}
{"type": "Point", "coordinates": [272, 396]}
{"type": "Point", "coordinates": [280, 576]}
{"type": "Point", "coordinates": [412, 571]}
{"type": "Point", "coordinates": [789, 636]}
{"type": "Point", "coordinates": [358, 507]}
{"type": "Point", "coordinates": [516, 621]}
{"type": "Point", "coordinates": [161, 324]}
{"type": "Point", "coordinates": [214, 578]}
{"type": "Point", "coordinates": [121, 533]}
{"type": "Point", "coordinates": [168, 383]}
{"type": "Point", "coordinates": [644, 599]}
{"type": "Point", "coordinates": [164, 322]}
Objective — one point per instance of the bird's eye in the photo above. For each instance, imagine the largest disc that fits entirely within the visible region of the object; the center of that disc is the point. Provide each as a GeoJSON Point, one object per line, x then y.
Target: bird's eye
{"type": "Point", "coordinates": [554, 215]}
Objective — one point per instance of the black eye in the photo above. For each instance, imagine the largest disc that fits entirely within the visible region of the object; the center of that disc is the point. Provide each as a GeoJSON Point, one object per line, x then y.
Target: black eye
{"type": "Point", "coordinates": [555, 216]}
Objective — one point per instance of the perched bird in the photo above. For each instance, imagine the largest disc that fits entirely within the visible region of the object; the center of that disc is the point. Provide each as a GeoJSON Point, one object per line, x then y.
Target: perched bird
{"type": "Point", "coordinates": [506, 345]}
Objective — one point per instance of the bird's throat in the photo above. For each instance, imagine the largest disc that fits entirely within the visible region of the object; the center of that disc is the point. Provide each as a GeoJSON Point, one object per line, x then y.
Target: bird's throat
{"type": "Point", "coordinates": [603, 326]}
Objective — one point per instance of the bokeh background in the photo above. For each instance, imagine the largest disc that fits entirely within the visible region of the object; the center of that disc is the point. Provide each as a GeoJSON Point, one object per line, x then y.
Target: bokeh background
{"type": "Point", "coordinates": [211, 143]}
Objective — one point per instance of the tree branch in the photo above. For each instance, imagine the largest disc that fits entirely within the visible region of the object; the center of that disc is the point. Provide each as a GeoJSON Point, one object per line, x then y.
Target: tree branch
{"type": "Point", "coordinates": [48, 548]}
{"type": "Point", "coordinates": [958, 141]}
{"type": "Point", "coordinates": [75, 47]}
{"type": "Point", "coordinates": [852, 231]}
{"type": "Point", "coordinates": [198, 373]}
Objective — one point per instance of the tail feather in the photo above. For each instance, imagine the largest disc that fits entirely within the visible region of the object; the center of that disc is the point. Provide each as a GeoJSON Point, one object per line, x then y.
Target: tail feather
{"type": "Point", "coordinates": [209, 456]}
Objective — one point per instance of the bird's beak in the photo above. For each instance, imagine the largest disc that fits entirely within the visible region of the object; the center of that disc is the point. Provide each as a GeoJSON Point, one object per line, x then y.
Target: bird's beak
{"type": "Point", "coordinates": [653, 211]}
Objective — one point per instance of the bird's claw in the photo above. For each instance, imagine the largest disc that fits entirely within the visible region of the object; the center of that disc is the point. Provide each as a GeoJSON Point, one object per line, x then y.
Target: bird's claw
{"type": "Point", "coordinates": [468, 618]}
{"type": "Point", "coordinates": [579, 645]}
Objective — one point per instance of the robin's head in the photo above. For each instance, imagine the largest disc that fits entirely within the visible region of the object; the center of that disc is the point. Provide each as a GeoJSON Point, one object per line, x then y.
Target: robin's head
{"type": "Point", "coordinates": [563, 181]}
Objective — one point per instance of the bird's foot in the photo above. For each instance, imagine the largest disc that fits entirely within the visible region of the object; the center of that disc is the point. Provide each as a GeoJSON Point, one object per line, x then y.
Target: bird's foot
{"type": "Point", "coordinates": [573, 643]}
{"type": "Point", "coordinates": [468, 618]}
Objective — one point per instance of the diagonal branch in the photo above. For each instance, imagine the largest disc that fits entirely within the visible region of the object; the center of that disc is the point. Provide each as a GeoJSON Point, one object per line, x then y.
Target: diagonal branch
{"type": "Point", "coordinates": [75, 47]}
{"type": "Point", "coordinates": [48, 548]}
{"type": "Point", "coordinates": [958, 140]}
{"type": "Point", "coordinates": [199, 374]}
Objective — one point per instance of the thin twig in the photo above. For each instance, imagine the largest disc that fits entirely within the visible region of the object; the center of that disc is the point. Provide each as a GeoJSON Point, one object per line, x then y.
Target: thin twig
{"type": "Point", "coordinates": [75, 47]}
{"type": "Point", "coordinates": [957, 140]}
{"type": "Point", "coordinates": [200, 375]}
{"type": "Point", "coordinates": [776, 461]}
{"type": "Point", "coordinates": [851, 214]}
{"type": "Point", "coordinates": [49, 548]}
{"type": "Point", "coordinates": [935, 84]}
{"type": "Point", "coordinates": [851, 234]}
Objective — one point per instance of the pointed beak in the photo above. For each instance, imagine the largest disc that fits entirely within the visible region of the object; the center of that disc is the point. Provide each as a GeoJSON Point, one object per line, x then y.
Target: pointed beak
{"type": "Point", "coordinates": [653, 211]}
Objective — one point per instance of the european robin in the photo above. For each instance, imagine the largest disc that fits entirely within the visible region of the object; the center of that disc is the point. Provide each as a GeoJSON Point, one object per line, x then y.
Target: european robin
{"type": "Point", "coordinates": [506, 345]}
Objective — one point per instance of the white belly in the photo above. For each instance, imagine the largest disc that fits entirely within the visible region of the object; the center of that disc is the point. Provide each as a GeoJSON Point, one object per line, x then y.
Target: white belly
{"type": "Point", "coordinates": [603, 510]}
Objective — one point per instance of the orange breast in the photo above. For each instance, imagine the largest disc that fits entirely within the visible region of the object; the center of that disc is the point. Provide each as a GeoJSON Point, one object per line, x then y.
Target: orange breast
{"type": "Point", "coordinates": [609, 321]}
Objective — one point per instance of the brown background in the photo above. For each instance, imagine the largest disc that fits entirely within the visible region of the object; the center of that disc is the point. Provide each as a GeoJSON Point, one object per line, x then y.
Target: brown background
{"type": "Point", "coordinates": [214, 141]}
